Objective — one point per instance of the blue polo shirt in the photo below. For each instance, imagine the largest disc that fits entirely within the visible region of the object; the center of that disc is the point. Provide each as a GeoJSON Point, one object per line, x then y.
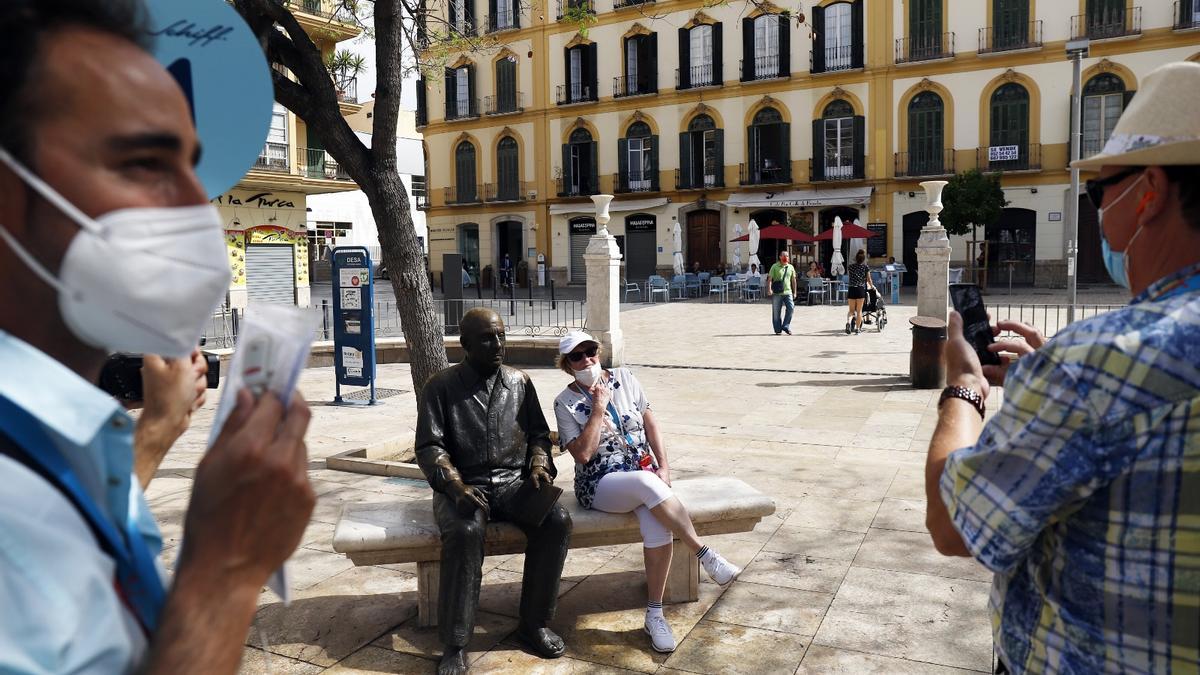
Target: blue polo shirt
{"type": "Point", "coordinates": [61, 612]}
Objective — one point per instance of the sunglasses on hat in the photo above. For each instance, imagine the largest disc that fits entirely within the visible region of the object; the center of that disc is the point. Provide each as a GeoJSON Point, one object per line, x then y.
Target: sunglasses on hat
{"type": "Point", "coordinates": [576, 357]}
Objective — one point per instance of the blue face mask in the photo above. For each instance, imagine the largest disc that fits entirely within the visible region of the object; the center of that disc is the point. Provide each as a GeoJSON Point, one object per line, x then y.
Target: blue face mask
{"type": "Point", "coordinates": [1115, 261]}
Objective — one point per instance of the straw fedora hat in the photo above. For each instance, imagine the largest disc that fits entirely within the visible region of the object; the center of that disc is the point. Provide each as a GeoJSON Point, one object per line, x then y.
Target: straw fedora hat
{"type": "Point", "coordinates": [1161, 126]}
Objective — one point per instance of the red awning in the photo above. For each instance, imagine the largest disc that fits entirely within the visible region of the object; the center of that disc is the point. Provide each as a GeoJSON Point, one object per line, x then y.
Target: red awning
{"type": "Point", "coordinates": [779, 232]}
{"type": "Point", "coordinates": [849, 231]}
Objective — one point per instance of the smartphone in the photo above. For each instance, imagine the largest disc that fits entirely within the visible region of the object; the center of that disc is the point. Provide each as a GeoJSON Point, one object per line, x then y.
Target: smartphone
{"type": "Point", "coordinates": [968, 302]}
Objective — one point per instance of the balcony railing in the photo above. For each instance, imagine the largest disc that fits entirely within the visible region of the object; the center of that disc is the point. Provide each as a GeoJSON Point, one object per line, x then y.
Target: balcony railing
{"type": "Point", "coordinates": [499, 22]}
{"type": "Point", "coordinates": [1187, 15]}
{"type": "Point", "coordinates": [507, 191]}
{"type": "Point", "coordinates": [704, 75]}
{"type": "Point", "coordinates": [638, 86]}
{"type": "Point", "coordinates": [634, 181]}
{"type": "Point", "coordinates": [833, 174]}
{"type": "Point", "coordinates": [1010, 158]}
{"type": "Point", "coordinates": [1008, 38]}
{"type": "Point", "coordinates": [462, 194]}
{"type": "Point", "coordinates": [764, 175]}
{"type": "Point", "coordinates": [505, 104]}
{"type": "Point", "coordinates": [328, 9]}
{"type": "Point", "coordinates": [274, 157]}
{"type": "Point", "coordinates": [574, 6]}
{"type": "Point", "coordinates": [346, 89]}
{"type": "Point", "coordinates": [836, 59]}
{"type": "Point", "coordinates": [699, 180]}
{"type": "Point", "coordinates": [317, 164]}
{"type": "Point", "coordinates": [1107, 25]}
{"type": "Point", "coordinates": [623, 4]}
{"type": "Point", "coordinates": [463, 109]}
{"type": "Point", "coordinates": [576, 93]}
{"type": "Point", "coordinates": [925, 164]}
{"type": "Point", "coordinates": [761, 68]}
{"type": "Point", "coordinates": [581, 186]}
{"type": "Point", "coordinates": [925, 48]}
{"type": "Point", "coordinates": [421, 199]}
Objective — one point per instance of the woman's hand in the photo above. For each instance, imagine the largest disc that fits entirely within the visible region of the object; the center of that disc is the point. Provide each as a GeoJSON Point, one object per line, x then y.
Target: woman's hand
{"type": "Point", "coordinates": [664, 472]}
{"type": "Point", "coordinates": [601, 396]}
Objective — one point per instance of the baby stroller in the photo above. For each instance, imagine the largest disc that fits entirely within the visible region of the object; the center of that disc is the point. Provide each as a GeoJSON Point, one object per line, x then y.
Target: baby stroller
{"type": "Point", "coordinates": [873, 309]}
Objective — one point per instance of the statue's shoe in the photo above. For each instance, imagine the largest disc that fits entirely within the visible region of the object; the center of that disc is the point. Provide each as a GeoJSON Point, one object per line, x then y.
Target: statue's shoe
{"type": "Point", "coordinates": [545, 642]}
{"type": "Point", "coordinates": [454, 662]}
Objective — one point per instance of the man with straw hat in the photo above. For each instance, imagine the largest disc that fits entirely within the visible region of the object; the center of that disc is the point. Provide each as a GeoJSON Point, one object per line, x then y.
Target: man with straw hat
{"type": "Point", "coordinates": [1082, 493]}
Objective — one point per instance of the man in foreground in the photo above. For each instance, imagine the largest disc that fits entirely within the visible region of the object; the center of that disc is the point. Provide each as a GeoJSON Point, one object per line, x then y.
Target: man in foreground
{"type": "Point", "coordinates": [1082, 494]}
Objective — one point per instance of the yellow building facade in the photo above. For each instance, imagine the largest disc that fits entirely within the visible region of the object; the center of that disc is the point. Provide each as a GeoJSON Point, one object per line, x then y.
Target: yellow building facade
{"type": "Point", "coordinates": [709, 115]}
{"type": "Point", "coordinates": [265, 214]}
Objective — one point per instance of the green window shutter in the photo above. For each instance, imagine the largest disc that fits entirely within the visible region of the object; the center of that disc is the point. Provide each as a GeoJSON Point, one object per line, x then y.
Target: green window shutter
{"type": "Point", "coordinates": [622, 164]}
{"type": "Point", "coordinates": [654, 163]}
{"type": "Point", "coordinates": [720, 140]}
{"type": "Point", "coordinates": [818, 154]}
{"type": "Point", "coordinates": [685, 160]}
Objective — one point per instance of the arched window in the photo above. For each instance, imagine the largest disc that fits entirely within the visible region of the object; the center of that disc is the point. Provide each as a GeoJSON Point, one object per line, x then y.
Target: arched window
{"type": "Point", "coordinates": [1009, 149]}
{"type": "Point", "coordinates": [506, 87]}
{"type": "Point", "coordinates": [508, 172]}
{"type": "Point", "coordinates": [466, 191]}
{"type": "Point", "coordinates": [579, 171]}
{"type": "Point", "coordinates": [926, 135]}
{"type": "Point", "coordinates": [769, 149]}
{"type": "Point", "coordinates": [1104, 98]}
{"type": "Point", "coordinates": [841, 133]}
{"type": "Point", "coordinates": [637, 159]}
{"type": "Point", "coordinates": [701, 155]}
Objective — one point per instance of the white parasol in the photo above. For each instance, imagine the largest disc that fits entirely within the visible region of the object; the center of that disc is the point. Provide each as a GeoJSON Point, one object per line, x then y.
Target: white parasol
{"type": "Point", "coordinates": [857, 244]}
{"type": "Point", "coordinates": [737, 248]}
{"type": "Point", "coordinates": [754, 246]}
{"type": "Point", "coordinates": [837, 265]}
{"type": "Point", "coordinates": [678, 255]}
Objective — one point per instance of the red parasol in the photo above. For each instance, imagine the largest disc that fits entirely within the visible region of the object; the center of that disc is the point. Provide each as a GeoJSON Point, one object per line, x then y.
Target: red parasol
{"type": "Point", "coordinates": [779, 232]}
{"type": "Point", "coordinates": [849, 231]}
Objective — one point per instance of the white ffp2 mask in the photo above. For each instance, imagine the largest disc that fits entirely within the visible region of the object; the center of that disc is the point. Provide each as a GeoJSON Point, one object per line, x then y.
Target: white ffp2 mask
{"type": "Point", "coordinates": [588, 376]}
{"type": "Point", "coordinates": [138, 279]}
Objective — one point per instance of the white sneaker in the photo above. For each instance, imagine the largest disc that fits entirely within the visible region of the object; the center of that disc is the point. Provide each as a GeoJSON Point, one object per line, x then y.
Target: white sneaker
{"type": "Point", "coordinates": [661, 637]}
{"type": "Point", "coordinates": [719, 569]}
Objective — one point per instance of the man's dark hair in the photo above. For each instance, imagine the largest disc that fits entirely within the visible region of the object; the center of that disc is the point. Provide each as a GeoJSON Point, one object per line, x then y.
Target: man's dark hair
{"type": "Point", "coordinates": [1187, 181]}
{"type": "Point", "coordinates": [24, 25]}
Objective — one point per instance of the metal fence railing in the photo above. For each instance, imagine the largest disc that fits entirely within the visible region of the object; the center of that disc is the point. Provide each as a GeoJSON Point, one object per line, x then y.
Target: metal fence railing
{"type": "Point", "coordinates": [1049, 319]}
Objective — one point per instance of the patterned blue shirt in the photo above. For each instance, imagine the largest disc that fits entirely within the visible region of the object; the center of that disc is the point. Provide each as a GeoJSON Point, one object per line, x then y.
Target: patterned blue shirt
{"type": "Point", "coordinates": [1083, 493]}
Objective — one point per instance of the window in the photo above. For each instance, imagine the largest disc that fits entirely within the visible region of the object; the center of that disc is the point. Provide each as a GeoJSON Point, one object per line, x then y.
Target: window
{"type": "Point", "coordinates": [839, 140]}
{"type": "Point", "coordinates": [579, 170]}
{"type": "Point", "coordinates": [701, 150]}
{"type": "Point", "coordinates": [462, 18]}
{"type": "Point", "coordinates": [466, 191]}
{"type": "Point", "coordinates": [1103, 103]}
{"type": "Point", "coordinates": [460, 93]}
{"type": "Point", "coordinates": [506, 86]}
{"type": "Point", "coordinates": [837, 36]}
{"type": "Point", "coordinates": [701, 56]}
{"type": "Point", "coordinates": [925, 29]}
{"type": "Point", "coordinates": [631, 62]}
{"type": "Point", "coordinates": [275, 152]}
{"type": "Point", "coordinates": [769, 149]}
{"type": "Point", "coordinates": [1009, 137]}
{"type": "Point", "coordinates": [422, 104]}
{"type": "Point", "coordinates": [926, 135]}
{"type": "Point", "coordinates": [580, 69]}
{"type": "Point", "coordinates": [463, 92]}
{"type": "Point", "coordinates": [1010, 23]}
{"type": "Point", "coordinates": [1105, 18]}
{"type": "Point", "coordinates": [840, 42]}
{"type": "Point", "coordinates": [640, 60]}
{"type": "Point", "coordinates": [507, 170]}
{"type": "Point", "coordinates": [765, 47]}
{"type": "Point", "coordinates": [503, 14]}
{"type": "Point", "coordinates": [418, 187]}
{"type": "Point", "coordinates": [637, 156]}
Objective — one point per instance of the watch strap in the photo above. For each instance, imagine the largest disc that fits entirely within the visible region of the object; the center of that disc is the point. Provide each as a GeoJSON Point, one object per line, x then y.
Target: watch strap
{"type": "Point", "coordinates": [969, 395]}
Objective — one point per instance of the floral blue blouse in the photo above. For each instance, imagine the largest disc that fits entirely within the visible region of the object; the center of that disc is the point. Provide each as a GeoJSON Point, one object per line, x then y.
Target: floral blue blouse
{"type": "Point", "coordinates": [572, 410]}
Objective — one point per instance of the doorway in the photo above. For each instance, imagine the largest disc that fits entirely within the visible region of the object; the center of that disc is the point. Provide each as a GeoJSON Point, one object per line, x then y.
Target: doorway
{"type": "Point", "coordinates": [509, 239]}
{"type": "Point", "coordinates": [703, 240]}
{"type": "Point", "coordinates": [1010, 246]}
{"type": "Point", "coordinates": [913, 222]}
{"type": "Point", "coordinates": [1091, 264]}
{"type": "Point", "coordinates": [581, 231]}
{"type": "Point", "coordinates": [768, 249]}
{"type": "Point", "coordinates": [825, 250]}
{"type": "Point", "coordinates": [468, 247]}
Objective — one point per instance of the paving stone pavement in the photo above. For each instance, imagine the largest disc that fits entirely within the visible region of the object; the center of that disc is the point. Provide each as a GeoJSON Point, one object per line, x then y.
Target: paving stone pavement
{"type": "Point", "coordinates": [842, 579]}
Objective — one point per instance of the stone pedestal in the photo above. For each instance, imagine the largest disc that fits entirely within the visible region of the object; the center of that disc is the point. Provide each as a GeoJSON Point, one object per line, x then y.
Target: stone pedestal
{"type": "Point", "coordinates": [603, 261]}
{"type": "Point", "coordinates": [933, 259]}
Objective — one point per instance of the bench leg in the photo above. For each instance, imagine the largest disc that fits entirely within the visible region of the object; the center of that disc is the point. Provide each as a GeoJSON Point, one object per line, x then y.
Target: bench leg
{"type": "Point", "coordinates": [428, 575]}
{"type": "Point", "coordinates": [683, 579]}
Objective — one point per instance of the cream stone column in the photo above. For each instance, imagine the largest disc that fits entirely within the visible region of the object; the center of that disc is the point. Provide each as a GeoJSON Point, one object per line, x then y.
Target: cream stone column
{"type": "Point", "coordinates": [603, 261]}
{"type": "Point", "coordinates": [933, 258]}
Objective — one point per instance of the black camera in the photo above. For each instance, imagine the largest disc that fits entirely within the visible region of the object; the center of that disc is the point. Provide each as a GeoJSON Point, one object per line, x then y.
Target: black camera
{"type": "Point", "coordinates": [121, 376]}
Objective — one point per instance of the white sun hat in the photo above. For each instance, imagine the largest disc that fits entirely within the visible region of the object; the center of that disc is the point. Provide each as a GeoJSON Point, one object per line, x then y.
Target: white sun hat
{"type": "Point", "coordinates": [572, 340]}
{"type": "Point", "coordinates": [1161, 126]}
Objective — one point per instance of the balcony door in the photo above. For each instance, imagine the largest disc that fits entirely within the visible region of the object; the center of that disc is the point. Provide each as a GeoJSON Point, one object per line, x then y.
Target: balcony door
{"type": "Point", "coordinates": [638, 160]}
{"type": "Point", "coordinates": [766, 46]}
{"type": "Point", "coordinates": [769, 148]}
{"type": "Point", "coordinates": [701, 55]}
{"type": "Point", "coordinates": [925, 28]}
{"type": "Point", "coordinates": [506, 85]}
{"type": "Point", "coordinates": [839, 37]}
{"type": "Point", "coordinates": [1103, 102]}
{"type": "Point", "coordinates": [926, 135]}
{"type": "Point", "coordinates": [1009, 139]}
{"type": "Point", "coordinates": [1105, 18]}
{"type": "Point", "coordinates": [838, 120]}
{"type": "Point", "coordinates": [508, 185]}
{"type": "Point", "coordinates": [1010, 23]}
{"type": "Point", "coordinates": [464, 173]}
{"type": "Point", "coordinates": [579, 164]}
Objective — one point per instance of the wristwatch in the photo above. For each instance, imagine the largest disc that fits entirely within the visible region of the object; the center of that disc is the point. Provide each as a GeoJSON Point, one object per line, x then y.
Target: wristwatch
{"type": "Point", "coordinates": [969, 395]}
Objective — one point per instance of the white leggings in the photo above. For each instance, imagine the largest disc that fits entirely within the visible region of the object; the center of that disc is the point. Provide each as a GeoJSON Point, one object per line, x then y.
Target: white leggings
{"type": "Point", "coordinates": [637, 491]}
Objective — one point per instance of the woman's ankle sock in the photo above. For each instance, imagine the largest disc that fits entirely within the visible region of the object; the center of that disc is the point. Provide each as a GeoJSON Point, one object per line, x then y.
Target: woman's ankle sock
{"type": "Point", "coordinates": [702, 552]}
{"type": "Point", "coordinates": [653, 609]}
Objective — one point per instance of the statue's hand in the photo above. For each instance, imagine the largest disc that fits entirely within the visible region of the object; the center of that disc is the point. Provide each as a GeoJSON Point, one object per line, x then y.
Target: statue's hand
{"type": "Point", "coordinates": [540, 477]}
{"type": "Point", "coordinates": [467, 498]}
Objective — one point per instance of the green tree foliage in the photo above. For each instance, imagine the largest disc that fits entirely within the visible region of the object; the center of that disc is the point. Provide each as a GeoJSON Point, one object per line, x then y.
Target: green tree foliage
{"type": "Point", "coordinates": [971, 199]}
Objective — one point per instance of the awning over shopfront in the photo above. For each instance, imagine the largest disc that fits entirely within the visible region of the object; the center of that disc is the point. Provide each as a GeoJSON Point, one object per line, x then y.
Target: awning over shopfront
{"type": "Point", "coordinates": [615, 207]}
{"type": "Point", "coordinates": [799, 199]}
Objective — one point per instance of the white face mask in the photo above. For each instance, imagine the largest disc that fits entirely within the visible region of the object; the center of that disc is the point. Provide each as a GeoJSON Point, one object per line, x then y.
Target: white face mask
{"type": "Point", "coordinates": [135, 280]}
{"type": "Point", "coordinates": [589, 376]}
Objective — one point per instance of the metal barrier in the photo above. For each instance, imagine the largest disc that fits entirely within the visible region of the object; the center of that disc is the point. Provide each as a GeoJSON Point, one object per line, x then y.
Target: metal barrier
{"type": "Point", "coordinates": [1048, 319]}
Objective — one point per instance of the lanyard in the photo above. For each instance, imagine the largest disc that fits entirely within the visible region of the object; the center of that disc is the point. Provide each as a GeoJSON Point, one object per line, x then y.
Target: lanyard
{"type": "Point", "coordinates": [138, 582]}
{"type": "Point", "coordinates": [612, 411]}
{"type": "Point", "coordinates": [1188, 284]}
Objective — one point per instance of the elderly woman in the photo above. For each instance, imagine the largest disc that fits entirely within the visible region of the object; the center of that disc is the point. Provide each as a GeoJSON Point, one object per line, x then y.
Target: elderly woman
{"type": "Point", "coordinates": [604, 421]}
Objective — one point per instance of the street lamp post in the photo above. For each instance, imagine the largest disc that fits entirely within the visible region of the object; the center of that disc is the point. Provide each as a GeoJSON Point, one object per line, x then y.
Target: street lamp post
{"type": "Point", "coordinates": [1077, 51]}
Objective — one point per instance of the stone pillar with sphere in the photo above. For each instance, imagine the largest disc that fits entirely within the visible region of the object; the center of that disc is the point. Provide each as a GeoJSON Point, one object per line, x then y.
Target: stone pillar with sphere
{"type": "Point", "coordinates": [933, 258]}
{"type": "Point", "coordinates": [603, 261]}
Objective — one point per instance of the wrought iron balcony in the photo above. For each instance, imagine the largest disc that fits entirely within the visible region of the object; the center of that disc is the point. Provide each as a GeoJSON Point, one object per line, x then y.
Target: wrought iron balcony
{"type": "Point", "coordinates": [1009, 38]}
{"type": "Point", "coordinates": [502, 22]}
{"type": "Point", "coordinates": [764, 174]}
{"type": "Point", "coordinates": [504, 104]}
{"type": "Point", "coordinates": [624, 4]}
{"type": "Point", "coordinates": [1107, 25]}
{"type": "Point", "coordinates": [833, 174]}
{"type": "Point", "coordinates": [328, 9]}
{"type": "Point", "coordinates": [576, 93]}
{"type": "Point", "coordinates": [634, 181]}
{"type": "Point", "coordinates": [573, 6]}
{"type": "Point", "coordinates": [925, 164]}
{"type": "Point", "coordinates": [925, 48]}
{"type": "Point", "coordinates": [836, 59]}
{"type": "Point", "coordinates": [1002, 158]}
{"type": "Point", "coordinates": [507, 191]}
{"type": "Point", "coordinates": [639, 86]}
{"type": "Point", "coordinates": [274, 157]}
{"type": "Point", "coordinates": [699, 180]}
{"type": "Point", "coordinates": [467, 193]}
{"type": "Point", "coordinates": [762, 68]}
{"type": "Point", "coordinates": [704, 75]}
{"type": "Point", "coordinates": [346, 89]}
{"type": "Point", "coordinates": [320, 165]}
{"type": "Point", "coordinates": [462, 109]}
{"type": "Point", "coordinates": [422, 201]}
{"type": "Point", "coordinates": [581, 186]}
{"type": "Point", "coordinates": [1187, 15]}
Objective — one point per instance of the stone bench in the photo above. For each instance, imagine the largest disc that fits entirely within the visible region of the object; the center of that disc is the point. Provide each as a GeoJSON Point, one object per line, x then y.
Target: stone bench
{"type": "Point", "coordinates": [405, 531]}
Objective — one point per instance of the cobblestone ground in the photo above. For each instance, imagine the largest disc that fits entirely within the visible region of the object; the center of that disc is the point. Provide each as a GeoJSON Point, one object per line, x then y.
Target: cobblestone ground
{"type": "Point", "coordinates": [842, 579]}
